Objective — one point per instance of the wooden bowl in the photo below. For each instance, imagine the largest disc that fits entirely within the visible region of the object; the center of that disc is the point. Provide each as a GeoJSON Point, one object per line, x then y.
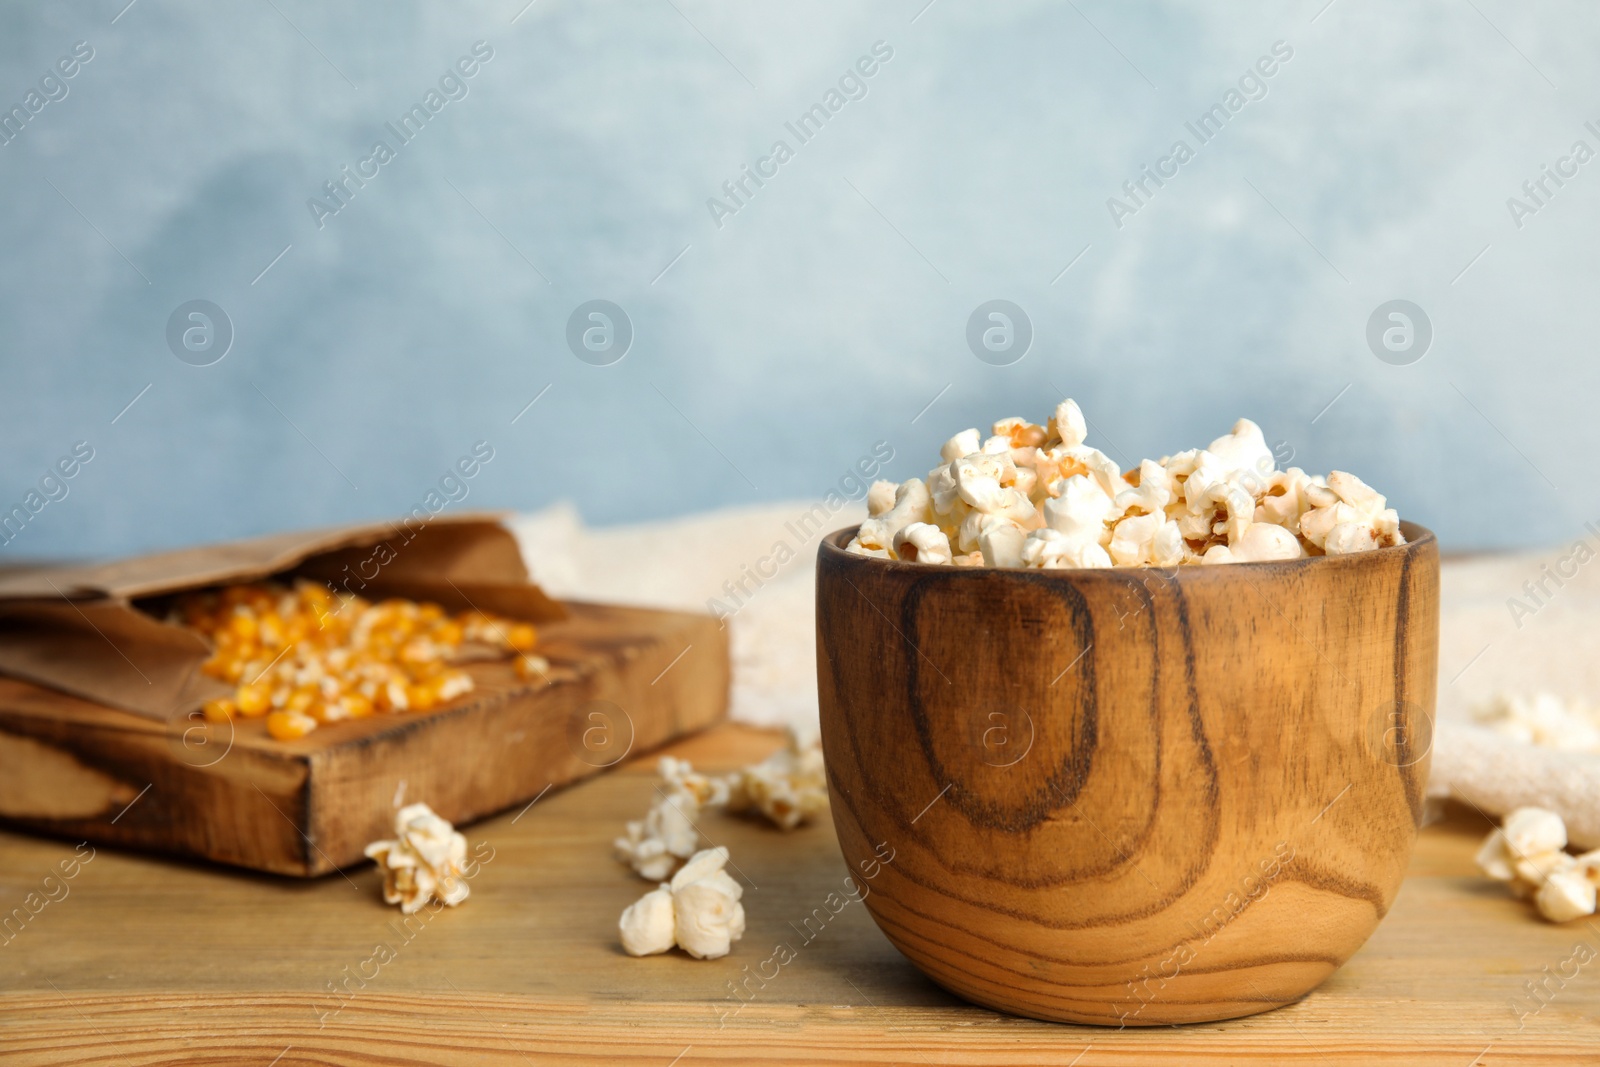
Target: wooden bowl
{"type": "Point", "coordinates": [1129, 796]}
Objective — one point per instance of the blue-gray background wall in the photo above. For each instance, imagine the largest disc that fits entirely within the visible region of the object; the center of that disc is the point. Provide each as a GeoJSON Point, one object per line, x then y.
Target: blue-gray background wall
{"type": "Point", "coordinates": [828, 312]}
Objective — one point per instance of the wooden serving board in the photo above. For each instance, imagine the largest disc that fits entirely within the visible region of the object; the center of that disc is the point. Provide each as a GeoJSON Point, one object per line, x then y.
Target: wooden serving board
{"type": "Point", "coordinates": [623, 680]}
{"type": "Point", "coordinates": [142, 961]}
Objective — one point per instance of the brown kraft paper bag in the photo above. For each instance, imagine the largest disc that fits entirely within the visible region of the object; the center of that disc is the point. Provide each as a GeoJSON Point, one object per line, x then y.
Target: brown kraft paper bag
{"type": "Point", "coordinates": [81, 630]}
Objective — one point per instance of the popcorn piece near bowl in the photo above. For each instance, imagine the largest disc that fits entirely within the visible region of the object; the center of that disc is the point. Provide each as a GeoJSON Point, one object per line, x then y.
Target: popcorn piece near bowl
{"type": "Point", "coordinates": [653, 846]}
{"type": "Point", "coordinates": [698, 911]}
{"type": "Point", "coordinates": [1528, 851]}
{"type": "Point", "coordinates": [789, 787]}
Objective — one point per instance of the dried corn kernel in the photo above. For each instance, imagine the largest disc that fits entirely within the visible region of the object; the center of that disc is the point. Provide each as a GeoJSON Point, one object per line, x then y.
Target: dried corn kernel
{"type": "Point", "coordinates": [421, 697]}
{"type": "Point", "coordinates": [454, 684]}
{"type": "Point", "coordinates": [307, 655]}
{"type": "Point", "coordinates": [252, 700]}
{"type": "Point", "coordinates": [243, 625]}
{"type": "Point", "coordinates": [288, 725]}
{"type": "Point", "coordinates": [219, 710]}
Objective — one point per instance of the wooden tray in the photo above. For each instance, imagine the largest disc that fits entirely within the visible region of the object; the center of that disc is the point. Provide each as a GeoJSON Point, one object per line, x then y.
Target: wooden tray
{"type": "Point", "coordinates": [623, 680]}
{"type": "Point", "coordinates": [146, 961]}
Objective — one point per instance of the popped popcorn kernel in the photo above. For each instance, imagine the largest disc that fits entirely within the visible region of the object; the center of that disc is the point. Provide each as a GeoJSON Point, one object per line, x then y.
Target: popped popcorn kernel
{"type": "Point", "coordinates": [1543, 719]}
{"type": "Point", "coordinates": [653, 846]}
{"type": "Point", "coordinates": [426, 861]}
{"type": "Point", "coordinates": [789, 787]}
{"type": "Point", "coordinates": [922, 542]}
{"type": "Point", "coordinates": [698, 911]}
{"type": "Point", "coordinates": [1037, 496]}
{"type": "Point", "coordinates": [1528, 851]}
{"type": "Point", "coordinates": [880, 497]}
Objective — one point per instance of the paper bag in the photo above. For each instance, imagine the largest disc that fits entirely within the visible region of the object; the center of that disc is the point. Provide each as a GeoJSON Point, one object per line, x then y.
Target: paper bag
{"type": "Point", "coordinates": [96, 630]}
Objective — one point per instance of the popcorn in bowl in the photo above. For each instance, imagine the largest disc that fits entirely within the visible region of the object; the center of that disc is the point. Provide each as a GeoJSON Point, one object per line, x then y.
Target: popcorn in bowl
{"type": "Point", "coordinates": [1037, 496]}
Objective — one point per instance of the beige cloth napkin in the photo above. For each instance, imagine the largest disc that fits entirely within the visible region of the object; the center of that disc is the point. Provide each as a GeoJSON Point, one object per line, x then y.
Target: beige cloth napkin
{"type": "Point", "coordinates": [691, 562]}
{"type": "Point", "coordinates": [1551, 643]}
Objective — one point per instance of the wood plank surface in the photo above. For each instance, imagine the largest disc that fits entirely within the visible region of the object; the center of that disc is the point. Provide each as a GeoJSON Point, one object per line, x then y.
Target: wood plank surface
{"type": "Point", "coordinates": [621, 679]}
{"type": "Point", "coordinates": [144, 960]}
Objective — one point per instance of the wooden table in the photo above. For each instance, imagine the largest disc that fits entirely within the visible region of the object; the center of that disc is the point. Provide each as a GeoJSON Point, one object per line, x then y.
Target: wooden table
{"type": "Point", "coordinates": [146, 960]}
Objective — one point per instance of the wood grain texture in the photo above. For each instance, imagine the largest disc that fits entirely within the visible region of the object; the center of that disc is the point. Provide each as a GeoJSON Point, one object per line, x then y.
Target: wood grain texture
{"type": "Point", "coordinates": [1130, 797]}
{"type": "Point", "coordinates": [154, 961]}
{"type": "Point", "coordinates": [622, 679]}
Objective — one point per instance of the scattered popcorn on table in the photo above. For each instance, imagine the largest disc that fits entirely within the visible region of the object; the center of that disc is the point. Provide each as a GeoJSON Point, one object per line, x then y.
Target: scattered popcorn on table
{"type": "Point", "coordinates": [1037, 496]}
{"type": "Point", "coordinates": [699, 911]}
{"type": "Point", "coordinates": [423, 863]}
{"type": "Point", "coordinates": [1566, 895]}
{"type": "Point", "coordinates": [1543, 719]}
{"type": "Point", "coordinates": [308, 656]}
{"type": "Point", "coordinates": [707, 791]}
{"type": "Point", "coordinates": [647, 925]}
{"type": "Point", "coordinates": [1529, 852]}
{"type": "Point", "coordinates": [788, 787]}
{"type": "Point", "coordinates": [653, 845]}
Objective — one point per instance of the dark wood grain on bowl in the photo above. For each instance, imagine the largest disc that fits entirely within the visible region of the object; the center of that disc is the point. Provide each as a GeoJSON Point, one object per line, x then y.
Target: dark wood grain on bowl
{"type": "Point", "coordinates": [1129, 796]}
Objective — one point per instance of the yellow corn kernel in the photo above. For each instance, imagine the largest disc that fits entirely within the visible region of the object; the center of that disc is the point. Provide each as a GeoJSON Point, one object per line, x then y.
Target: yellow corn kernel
{"type": "Point", "coordinates": [419, 651]}
{"type": "Point", "coordinates": [313, 592]}
{"type": "Point", "coordinates": [220, 709]}
{"type": "Point", "coordinates": [452, 684]}
{"type": "Point", "coordinates": [426, 670]}
{"type": "Point", "coordinates": [289, 725]}
{"type": "Point", "coordinates": [243, 626]}
{"type": "Point", "coordinates": [270, 631]}
{"type": "Point", "coordinates": [392, 696]}
{"type": "Point", "coordinates": [531, 667]}
{"type": "Point", "coordinates": [252, 700]}
{"type": "Point", "coordinates": [421, 696]}
{"type": "Point", "coordinates": [327, 711]}
{"type": "Point", "coordinates": [312, 654]}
